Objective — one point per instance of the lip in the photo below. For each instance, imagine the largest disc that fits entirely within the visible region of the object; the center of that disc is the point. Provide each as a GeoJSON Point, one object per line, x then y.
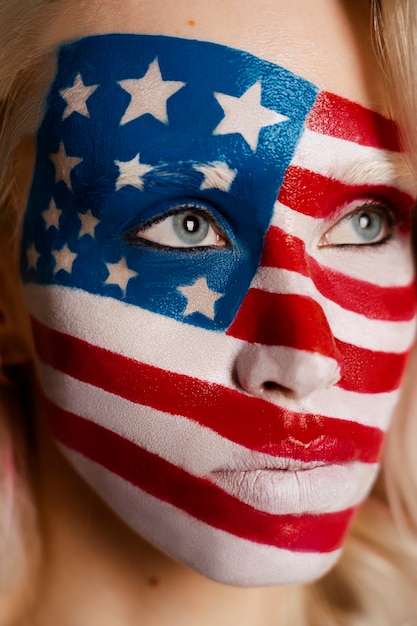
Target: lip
{"type": "Point", "coordinates": [307, 446]}
{"type": "Point", "coordinates": [320, 489]}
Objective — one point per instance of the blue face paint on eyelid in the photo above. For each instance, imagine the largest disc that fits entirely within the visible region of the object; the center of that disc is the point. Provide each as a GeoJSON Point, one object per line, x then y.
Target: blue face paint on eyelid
{"type": "Point", "coordinates": [110, 152]}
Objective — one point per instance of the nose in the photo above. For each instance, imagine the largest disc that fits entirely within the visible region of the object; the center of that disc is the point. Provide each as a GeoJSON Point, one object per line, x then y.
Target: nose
{"type": "Point", "coordinates": [288, 345]}
{"type": "Point", "coordinates": [263, 370]}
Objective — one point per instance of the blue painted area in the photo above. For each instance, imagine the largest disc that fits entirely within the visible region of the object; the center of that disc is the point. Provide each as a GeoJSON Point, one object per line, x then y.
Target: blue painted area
{"type": "Point", "coordinates": [172, 149]}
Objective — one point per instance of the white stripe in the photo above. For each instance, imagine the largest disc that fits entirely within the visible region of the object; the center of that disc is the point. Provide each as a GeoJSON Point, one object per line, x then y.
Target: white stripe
{"type": "Point", "coordinates": [379, 268]}
{"type": "Point", "coordinates": [175, 438]}
{"type": "Point", "coordinates": [347, 326]}
{"type": "Point", "coordinates": [352, 163]}
{"type": "Point", "coordinates": [205, 355]}
{"type": "Point", "coordinates": [214, 553]}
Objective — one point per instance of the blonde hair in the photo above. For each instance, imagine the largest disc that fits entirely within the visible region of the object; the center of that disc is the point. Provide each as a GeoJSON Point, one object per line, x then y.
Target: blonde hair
{"type": "Point", "coordinates": [375, 581]}
{"type": "Point", "coordinates": [20, 536]}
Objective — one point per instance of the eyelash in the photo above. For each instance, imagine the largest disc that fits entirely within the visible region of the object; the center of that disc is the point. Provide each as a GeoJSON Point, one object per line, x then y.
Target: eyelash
{"type": "Point", "coordinates": [194, 209]}
{"type": "Point", "coordinates": [392, 222]}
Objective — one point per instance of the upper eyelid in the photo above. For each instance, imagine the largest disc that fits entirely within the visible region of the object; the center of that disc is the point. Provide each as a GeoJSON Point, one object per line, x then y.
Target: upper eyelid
{"type": "Point", "coordinates": [384, 205]}
{"type": "Point", "coordinates": [370, 205]}
{"type": "Point", "coordinates": [183, 207]}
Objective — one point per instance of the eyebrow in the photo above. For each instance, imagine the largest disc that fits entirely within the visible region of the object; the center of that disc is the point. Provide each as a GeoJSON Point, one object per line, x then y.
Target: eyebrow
{"type": "Point", "coordinates": [352, 163]}
{"type": "Point", "coordinates": [195, 175]}
{"type": "Point", "coordinates": [392, 170]}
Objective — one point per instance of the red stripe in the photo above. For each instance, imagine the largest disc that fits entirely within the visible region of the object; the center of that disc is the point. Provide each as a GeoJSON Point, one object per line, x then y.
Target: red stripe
{"type": "Point", "coordinates": [281, 319]}
{"type": "Point", "coordinates": [197, 496]}
{"type": "Point", "coordinates": [344, 119]}
{"type": "Point", "coordinates": [321, 197]}
{"type": "Point", "coordinates": [299, 322]}
{"type": "Point", "coordinates": [284, 251]}
{"type": "Point", "coordinates": [374, 371]}
{"type": "Point", "coordinates": [251, 422]}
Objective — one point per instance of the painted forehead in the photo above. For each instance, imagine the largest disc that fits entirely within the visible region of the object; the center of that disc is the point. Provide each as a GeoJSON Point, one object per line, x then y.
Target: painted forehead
{"type": "Point", "coordinates": [136, 125]}
{"type": "Point", "coordinates": [176, 102]}
{"type": "Point", "coordinates": [128, 108]}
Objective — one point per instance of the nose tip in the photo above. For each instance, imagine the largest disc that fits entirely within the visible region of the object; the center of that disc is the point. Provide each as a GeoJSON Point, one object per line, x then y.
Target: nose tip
{"type": "Point", "coordinates": [288, 345]}
{"type": "Point", "coordinates": [265, 370]}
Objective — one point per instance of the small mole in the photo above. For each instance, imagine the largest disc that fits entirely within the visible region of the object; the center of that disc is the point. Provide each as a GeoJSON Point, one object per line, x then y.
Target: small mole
{"type": "Point", "coordinates": [153, 581]}
{"type": "Point", "coordinates": [191, 23]}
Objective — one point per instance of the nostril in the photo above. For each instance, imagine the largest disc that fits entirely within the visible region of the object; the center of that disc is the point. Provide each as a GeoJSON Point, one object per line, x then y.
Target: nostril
{"type": "Point", "coordinates": [270, 385]}
{"type": "Point", "coordinates": [270, 388]}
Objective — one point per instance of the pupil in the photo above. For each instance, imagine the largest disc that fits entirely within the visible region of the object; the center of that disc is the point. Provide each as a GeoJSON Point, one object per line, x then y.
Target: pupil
{"type": "Point", "coordinates": [191, 224]}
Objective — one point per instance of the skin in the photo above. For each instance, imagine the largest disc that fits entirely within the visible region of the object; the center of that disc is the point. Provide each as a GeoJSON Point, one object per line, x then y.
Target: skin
{"type": "Point", "coordinates": [91, 554]}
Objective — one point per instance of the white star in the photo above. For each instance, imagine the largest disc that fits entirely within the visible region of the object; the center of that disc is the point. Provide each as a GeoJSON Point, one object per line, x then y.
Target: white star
{"type": "Point", "coordinates": [33, 257]}
{"type": "Point", "coordinates": [149, 94]}
{"type": "Point", "coordinates": [200, 298]}
{"type": "Point", "coordinates": [76, 97]}
{"type": "Point", "coordinates": [246, 115]}
{"type": "Point", "coordinates": [52, 215]}
{"type": "Point", "coordinates": [64, 259]}
{"type": "Point", "coordinates": [217, 175]}
{"type": "Point", "coordinates": [119, 274]}
{"type": "Point", "coordinates": [131, 173]}
{"type": "Point", "coordinates": [64, 165]}
{"type": "Point", "coordinates": [88, 224]}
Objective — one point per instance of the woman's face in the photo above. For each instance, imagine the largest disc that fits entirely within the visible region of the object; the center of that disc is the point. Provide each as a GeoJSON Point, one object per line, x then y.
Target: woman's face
{"type": "Point", "coordinates": [216, 262]}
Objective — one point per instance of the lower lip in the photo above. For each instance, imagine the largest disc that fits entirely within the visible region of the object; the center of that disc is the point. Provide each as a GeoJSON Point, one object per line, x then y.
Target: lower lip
{"type": "Point", "coordinates": [279, 492]}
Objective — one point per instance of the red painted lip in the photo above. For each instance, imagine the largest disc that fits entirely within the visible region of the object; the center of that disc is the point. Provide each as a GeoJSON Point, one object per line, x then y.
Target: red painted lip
{"type": "Point", "coordinates": [305, 450]}
{"type": "Point", "coordinates": [295, 455]}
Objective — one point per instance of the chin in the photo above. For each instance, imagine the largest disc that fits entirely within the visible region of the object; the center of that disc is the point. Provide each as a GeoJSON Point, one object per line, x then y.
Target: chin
{"type": "Point", "coordinates": [218, 555]}
{"type": "Point", "coordinates": [230, 560]}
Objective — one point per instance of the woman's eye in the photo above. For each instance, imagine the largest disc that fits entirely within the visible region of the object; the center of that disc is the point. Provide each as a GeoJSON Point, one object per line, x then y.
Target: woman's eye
{"type": "Point", "coordinates": [188, 228]}
{"type": "Point", "coordinates": [369, 225]}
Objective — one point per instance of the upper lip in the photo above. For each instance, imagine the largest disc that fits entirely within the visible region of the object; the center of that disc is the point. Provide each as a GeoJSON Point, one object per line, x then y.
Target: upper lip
{"type": "Point", "coordinates": [293, 457]}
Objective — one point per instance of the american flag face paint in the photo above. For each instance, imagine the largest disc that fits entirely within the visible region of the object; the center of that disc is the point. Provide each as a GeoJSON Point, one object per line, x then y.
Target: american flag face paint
{"type": "Point", "coordinates": [216, 261]}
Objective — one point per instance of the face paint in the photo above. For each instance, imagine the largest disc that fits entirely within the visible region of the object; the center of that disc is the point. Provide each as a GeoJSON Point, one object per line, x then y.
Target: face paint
{"type": "Point", "coordinates": [215, 257]}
